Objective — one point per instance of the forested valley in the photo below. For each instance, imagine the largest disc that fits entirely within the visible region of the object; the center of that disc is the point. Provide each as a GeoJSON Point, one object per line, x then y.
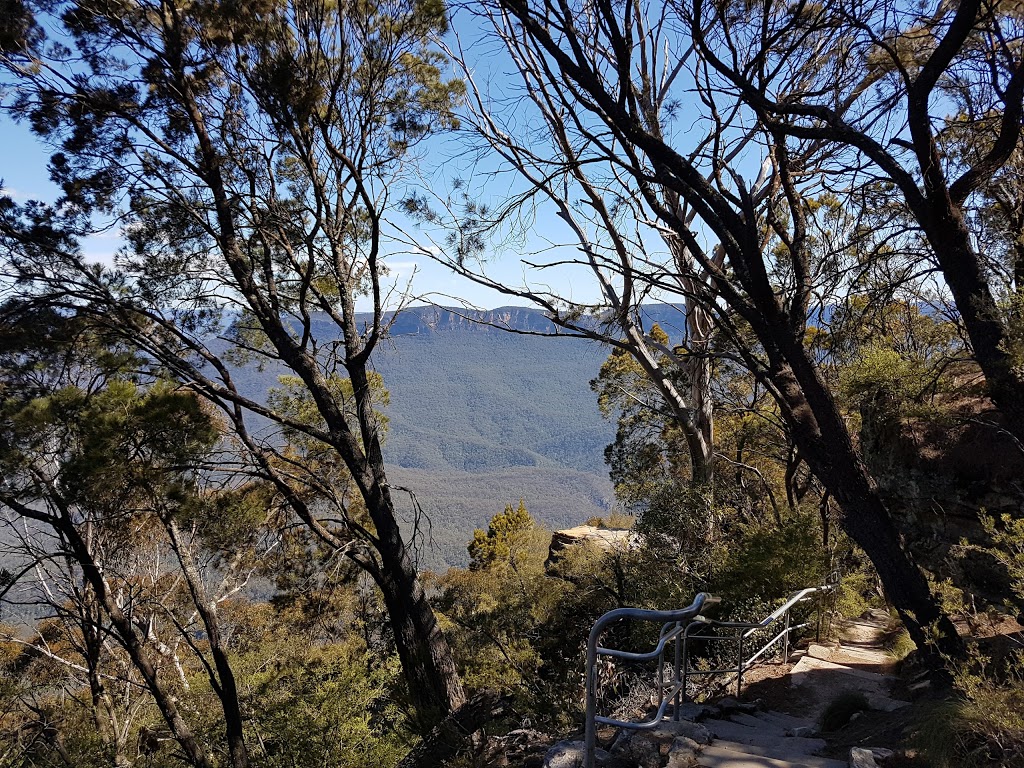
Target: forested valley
{"type": "Point", "coordinates": [764, 261]}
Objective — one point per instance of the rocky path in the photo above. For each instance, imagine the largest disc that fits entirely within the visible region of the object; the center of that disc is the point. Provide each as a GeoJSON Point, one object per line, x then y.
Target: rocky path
{"type": "Point", "coordinates": [733, 734]}
{"type": "Point", "coordinates": [857, 664]}
{"type": "Point", "coordinates": [788, 736]}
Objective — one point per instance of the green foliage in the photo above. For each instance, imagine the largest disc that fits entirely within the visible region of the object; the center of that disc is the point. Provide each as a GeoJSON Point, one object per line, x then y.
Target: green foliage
{"type": "Point", "coordinates": [497, 612]}
{"type": "Point", "coordinates": [505, 540]}
{"type": "Point", "coordinates": [307, 701]}
{"type": "Point", "coordinates": [103, 435]}
{"type": "Point", "coordinates": [858, 591]}
{"type": "Point", "coordinates": [517, 626]}
{"type": "Point", "coordinates": [892, 354]}
{"type": "Point", "coordinates": [899, 645]}
{"type": "Point", "coordinates": [880, 371]}
{"type": "Point", "coordinates": [292, 399]}
{"type": "Point", "coordinates": [984, 726]}
{"type": "Point", "coordinates": [231, 519]}
{"type": "Point", "coordinates": [648, 452]}
{"type": "Point", "coordinates": [1013, 312]}
{"type": "Point", "coordinates": [772, 561]}
{"type": "Point", "coordinates": [1007, 534]}
{"type": "Point", "coordinates": [327, 706]}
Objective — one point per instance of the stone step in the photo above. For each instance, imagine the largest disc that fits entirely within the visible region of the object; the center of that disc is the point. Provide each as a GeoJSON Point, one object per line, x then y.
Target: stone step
{"type": "Point", "coordinates": [843, 679]}
{"type": "Point", "coordinates": [782, 719]}
{"type": "Point", "coordinates": [812, 664]}
{"type": "Point", "coordinates": [763, 724]}
{"type": "Point", "coordinates": [847, 654]}
{"type": "Point", "coordinates": [725, 754]}
{"type": "Point", "coordinates": [736, 732]}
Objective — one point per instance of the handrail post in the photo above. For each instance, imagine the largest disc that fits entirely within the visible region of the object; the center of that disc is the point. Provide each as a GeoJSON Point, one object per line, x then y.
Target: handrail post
{"type": "Point", "coordinates": [661, 675]}
{"type": "Point", "coordinates": [739, 667]}
{"type": "Point", "coordinates": [821, 612]}
{"type": "Point", "coordinates": [675, 673]}
{"type": "Point", "coordinates": [686, 661]}
{"type": "Point", "coordinates": [785, 641]}
{"type": "Point", "coordinates": [590, 732]}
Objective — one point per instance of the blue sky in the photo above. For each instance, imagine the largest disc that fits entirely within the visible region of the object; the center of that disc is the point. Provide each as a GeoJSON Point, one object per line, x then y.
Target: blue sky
{"type": "Point", "coordinates": [25, 176]}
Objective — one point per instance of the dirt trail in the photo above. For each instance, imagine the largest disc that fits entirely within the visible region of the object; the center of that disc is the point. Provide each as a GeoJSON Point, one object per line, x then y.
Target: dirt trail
{"type": "Point", "coordinates": [797, 695]}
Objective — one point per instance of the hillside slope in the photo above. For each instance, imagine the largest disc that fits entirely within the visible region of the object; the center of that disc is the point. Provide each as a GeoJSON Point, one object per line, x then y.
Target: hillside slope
{"type": "Point", "coordinates": [481, 417]}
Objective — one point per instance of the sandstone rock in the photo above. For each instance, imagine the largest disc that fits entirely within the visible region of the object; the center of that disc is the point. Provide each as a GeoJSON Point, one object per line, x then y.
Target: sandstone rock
{"type": "Point", "coordinates": [638, 749]}
{"type": "Point", "coordinates": [683, 753]}
{"type": "Point", "coordinates": [682, 760]}
{"type": "Point", "coordinates": [963, 458]}
{"type": "Point", "coordinates": [862, 758]}
{"type": "Point", "coordinates": [669, 730]}
{"type": "Point", "coordinates": [606, 539]}
{"type": "Point", "coordinates": [565, 754]}
{"type": "Point", "coordinates": [696, 712]}
{"type": "Point", "coordinates": [729, 705]}
{"type": "Point", "coordinates": [569, 754]}
{"type": "Point", "coordinates": [651, 747]}
{"type": "Point", "coordinates": [802, 732]}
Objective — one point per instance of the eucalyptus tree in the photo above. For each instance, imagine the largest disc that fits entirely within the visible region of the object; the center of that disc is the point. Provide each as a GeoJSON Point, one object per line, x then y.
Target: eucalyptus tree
{"type": "Point", "coordinates": [601, 217]}
{"type": "Point", "coordinates": [926, 101]}
{"type": "Point", "coordinates": [99, 470]}
{"type": "Point", "coordinates": [249, 153]}
{"type": "Point", "coordinates": [637, 88]}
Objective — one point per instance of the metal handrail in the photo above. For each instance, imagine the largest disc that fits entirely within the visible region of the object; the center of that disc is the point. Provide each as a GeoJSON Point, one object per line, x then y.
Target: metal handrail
{"type": "Point", "coordinates": [674, 623]}
{"type": "Point", "coordinates": [743, 663]}
{"type": "Point", "coordinates": [677, 625]}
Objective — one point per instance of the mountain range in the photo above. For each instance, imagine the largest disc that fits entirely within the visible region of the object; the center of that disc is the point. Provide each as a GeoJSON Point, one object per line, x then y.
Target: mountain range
{"type": "Point", "coordinates": [484, 412]}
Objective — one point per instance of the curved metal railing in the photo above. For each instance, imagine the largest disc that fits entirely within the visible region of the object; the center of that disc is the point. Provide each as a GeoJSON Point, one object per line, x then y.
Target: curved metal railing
{"type": "Point", "coordinates": [677, 628]}
{"type": "Point", "coordinates": [744, 630]}
{"type": "Point", "coordinates": [674, 623]}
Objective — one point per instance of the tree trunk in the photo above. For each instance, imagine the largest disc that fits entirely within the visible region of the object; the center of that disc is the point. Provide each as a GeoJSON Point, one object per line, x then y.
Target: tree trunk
{"type": "Point", "coordinates": [423, 649]}
{"type": "Point", "coordinates": [824, 440]}
{"type": "Point", "coordinates": [964, 273]}
{"type": "Point", "coordinates": [224, 683]}
{"type": "Point", "coordinates": [132, 643]}
{"type": "Point", "coordinates": [103, 712]}
{"type": "Point", "coordinates": [699, 371]}
{"type": "Point", "coordinates": [451, 735]}
{"type": "Point", "coordinates": [427, 661]}
{"type": "Point", "coordinates": [694, 418]}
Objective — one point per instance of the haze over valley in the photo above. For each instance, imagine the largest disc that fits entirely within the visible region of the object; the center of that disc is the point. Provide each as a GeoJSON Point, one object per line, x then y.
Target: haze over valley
{"type": "Point", "coordinates": [480, 417]}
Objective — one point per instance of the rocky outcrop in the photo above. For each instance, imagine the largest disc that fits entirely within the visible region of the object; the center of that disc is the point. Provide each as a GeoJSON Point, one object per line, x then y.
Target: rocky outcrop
{"type": "Point", "coordinates": [938, 476]}
{"type": "Point", "coordinates": [605, 539]}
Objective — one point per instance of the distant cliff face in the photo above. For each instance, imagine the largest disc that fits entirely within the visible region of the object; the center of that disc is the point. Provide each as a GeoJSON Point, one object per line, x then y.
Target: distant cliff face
{"type": "Point", "coordinates": [415, 320]}
{"type": "Point", "coordinates": [480, 417]}
{"type": "Point", "coordinates": [438, 320]}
